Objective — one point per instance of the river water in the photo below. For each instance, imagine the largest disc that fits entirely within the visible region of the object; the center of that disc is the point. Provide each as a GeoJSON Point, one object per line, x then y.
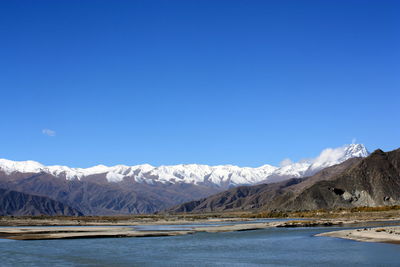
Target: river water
{"type": "Point", "coordinates": [273, 247]}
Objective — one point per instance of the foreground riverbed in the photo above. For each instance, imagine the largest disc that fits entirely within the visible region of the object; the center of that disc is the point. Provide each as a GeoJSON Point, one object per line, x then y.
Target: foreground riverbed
{"type": "Point", "coordinates": [68, 232]}
{"type": "Point", "coordinates": [160, 225]}
{"type": "Point", "coordinates": [157, 230]}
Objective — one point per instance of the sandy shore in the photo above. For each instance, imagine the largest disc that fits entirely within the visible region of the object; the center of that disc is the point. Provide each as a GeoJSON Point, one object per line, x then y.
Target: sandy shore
{"type": "Point", "coordinates": [235, 227]}
{"type": "Point", "coordinates": [378, 234]}
{"type": "Point", "coordinates": [40, 233]}
{"type": "Point", "coordinates": [65, 232]}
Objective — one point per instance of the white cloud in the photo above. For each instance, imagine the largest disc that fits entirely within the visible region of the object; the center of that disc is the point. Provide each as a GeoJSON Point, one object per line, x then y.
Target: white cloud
{"type": "Point", "coordinates": [48, 132]}
{"type": "Point", "coordinates": [330, 154]}
{"type": "Point", "coordinates": [286, 162]}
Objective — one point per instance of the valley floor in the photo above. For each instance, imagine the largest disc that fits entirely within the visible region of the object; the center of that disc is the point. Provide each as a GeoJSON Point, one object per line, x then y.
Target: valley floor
{"type": "Point", "coordinates": [384, 218]}
{"type": "Point", "coordinates": [360, 214]}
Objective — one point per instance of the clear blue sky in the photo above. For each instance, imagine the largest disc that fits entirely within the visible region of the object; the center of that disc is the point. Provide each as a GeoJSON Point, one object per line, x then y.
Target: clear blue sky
{"type": "Point", "coordinates": [212, 82]}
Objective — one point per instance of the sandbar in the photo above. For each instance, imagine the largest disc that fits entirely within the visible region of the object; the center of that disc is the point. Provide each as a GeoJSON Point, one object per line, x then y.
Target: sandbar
{"type": "Point", "coordinates": [377, 234]}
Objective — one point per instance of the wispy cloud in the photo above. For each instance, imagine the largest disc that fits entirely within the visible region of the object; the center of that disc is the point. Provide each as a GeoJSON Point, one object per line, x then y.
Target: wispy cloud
{"type": "Point", "coordinates": [286, 162]}
{"type": "Point", "coordinates": [49, 132]}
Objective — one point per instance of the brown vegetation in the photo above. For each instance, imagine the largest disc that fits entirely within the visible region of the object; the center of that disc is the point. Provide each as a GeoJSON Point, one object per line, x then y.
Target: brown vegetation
{"type": "Point", "coordinates": [383, 212]}
{"type": "Point", "coordinates": [358, 213]}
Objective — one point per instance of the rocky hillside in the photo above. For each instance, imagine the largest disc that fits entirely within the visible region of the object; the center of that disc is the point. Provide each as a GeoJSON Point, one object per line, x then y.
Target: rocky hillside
{"type": "Point", "coordinates": [375, 181]}
{"type": "Point", "coordinates": [372, 181]}
{"type": "Point", "coordinates": [98, 197]}
{"type": "Point", "coordinates": [17, 203]}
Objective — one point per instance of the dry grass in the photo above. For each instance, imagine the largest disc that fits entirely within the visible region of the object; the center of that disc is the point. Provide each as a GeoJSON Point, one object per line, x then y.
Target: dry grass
{"type": "Point", "coordinates": [362, 213]}
{"type": "Point", "coordinates": [375, 209]}
{"type": "Point", "coordinates": [357, 212]}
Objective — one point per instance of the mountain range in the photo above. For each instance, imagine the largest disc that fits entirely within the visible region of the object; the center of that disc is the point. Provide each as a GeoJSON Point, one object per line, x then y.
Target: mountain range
{"type": "Point", "coordinates": [120, 189]}
{"type": "Point", "coordinates": [370, 181]}
{"type": "Point", "coordinates": [222, 175]}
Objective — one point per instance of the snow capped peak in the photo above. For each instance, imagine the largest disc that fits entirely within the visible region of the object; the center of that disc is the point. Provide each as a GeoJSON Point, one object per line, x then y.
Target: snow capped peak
{"type": "Point", "coordinates": [333, 156]}
{"type": "Point", "coordinates": [355, 150]}
{"type": "Point", "coordinates": [28, 166]}
{"type": "Point", "coordinates": [221, 175]}
{"type": "Point", "coordinates": [342, 153]}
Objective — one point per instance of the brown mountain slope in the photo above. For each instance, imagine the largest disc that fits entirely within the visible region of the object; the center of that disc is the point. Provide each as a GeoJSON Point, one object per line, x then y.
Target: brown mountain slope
{"type": "Point", "coordinates": [371, 181]}
{"type": "Point", "coordinates": [17, 203]}
{"type": "Point", "coordinates": [375, 181]}
{"type": "Point", "coordinates": [98, 197]}
{"type": "Point", "coordinates": [261, 196]}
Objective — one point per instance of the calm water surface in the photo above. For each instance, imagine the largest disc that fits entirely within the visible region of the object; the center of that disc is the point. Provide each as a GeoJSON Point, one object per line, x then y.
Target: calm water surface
{"type": "Point", "coordinates": [274, 247]}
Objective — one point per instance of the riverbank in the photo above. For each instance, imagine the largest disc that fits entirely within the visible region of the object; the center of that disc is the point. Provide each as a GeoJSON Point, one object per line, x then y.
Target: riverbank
{"type": "Point", "coordinates": [361, 214]}
{"type": "Point", "coordinates": [377, 234]}
{"type": "Point", "coordinates": [70, 232]}
{"type": "Point", "coordinates": [57, 232]}
{"type": "Point", "coordinates": [73, 232]}
{"type": "Point", "coordinates": [107, 221]}
{"type": "Point", "coordinates": [42, 233]}
{"type": "Point", "coordinates": [123, 220]}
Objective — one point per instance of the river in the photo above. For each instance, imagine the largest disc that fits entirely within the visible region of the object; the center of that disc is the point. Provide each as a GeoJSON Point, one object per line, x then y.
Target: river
{"type": "Point", "coordinates": [270, 247]}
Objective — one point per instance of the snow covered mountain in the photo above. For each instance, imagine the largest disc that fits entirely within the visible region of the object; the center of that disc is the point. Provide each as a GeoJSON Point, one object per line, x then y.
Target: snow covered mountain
{"type": "Point", "coordinates": [221, 176]}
